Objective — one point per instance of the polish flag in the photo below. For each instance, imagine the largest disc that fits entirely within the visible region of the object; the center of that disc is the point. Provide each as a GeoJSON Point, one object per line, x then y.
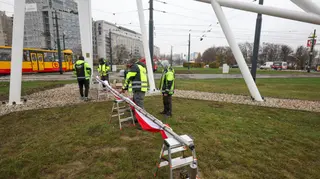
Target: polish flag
{"type": "Point", "coordinates": [148, 125]}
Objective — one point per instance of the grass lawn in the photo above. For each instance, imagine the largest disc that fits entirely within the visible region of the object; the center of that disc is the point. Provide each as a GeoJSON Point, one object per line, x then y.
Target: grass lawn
{"type": "Point", "coordinates": [296, 88]}
{"type": "Point", "coordinates": [232, 141]}
{"type": "Point", "coordinates": [29, 87]}
{"type": "Point", "coordinates": [182, 70]}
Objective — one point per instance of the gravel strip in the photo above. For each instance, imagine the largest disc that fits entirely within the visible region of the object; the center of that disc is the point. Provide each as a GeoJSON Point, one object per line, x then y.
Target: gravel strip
{"type": "Point", "coordinates": [57, 97]}
{"type": "Point", "coordinates": [295, 104]}
{"type": "Point", "coordinates": [69, 95]}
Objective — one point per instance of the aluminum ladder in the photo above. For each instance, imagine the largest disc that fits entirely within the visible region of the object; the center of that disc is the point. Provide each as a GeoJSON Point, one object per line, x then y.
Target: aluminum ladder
{"type": "Point", "coordinates": [172, 146]}
{"type": "Point", "coordinates": [121, 108]}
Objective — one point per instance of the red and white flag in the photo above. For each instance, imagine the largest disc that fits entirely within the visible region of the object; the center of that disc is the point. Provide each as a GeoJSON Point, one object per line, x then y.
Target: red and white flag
{"type": "Point", "coordinates": [145, 122]}
{"type": "Point", "coordinates": [148, 125]}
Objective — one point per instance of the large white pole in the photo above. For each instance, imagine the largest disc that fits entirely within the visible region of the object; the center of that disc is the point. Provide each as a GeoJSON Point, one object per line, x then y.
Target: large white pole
{"type": "Point", "coordinates": [267, 10]}
{"type": "Point", "coordinates": [17, 52]}
{"type": "Point", "coordinates": [308, 6]}
{"type": "Point", "coordinates": [146, 46]}
{"type": "Point", "coordinates": [85, 22]}
{"type": "Point", "coordinates": [236, 51]}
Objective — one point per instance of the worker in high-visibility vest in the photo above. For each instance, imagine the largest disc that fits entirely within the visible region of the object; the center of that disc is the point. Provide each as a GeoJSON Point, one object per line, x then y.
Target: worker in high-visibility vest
{"type": "Point", "coordinates": [167, 88]}
{"type": "Point", "coordinates": [103, 70]}
{"type": "Point", "coordinates": [83, 72]}
{"type": "Point", "coordinates": [136, 81]}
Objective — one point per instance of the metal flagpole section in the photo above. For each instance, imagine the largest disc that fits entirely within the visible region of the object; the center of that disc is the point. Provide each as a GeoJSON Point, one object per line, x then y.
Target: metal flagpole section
{"type": "Point", "coordinates": [152, 118]}
{"type": "Point", "coordinates": [17, 52]}
{"type": "Point", "coordinates": [146, 47]}
{"type": "Point", "coordinates": [308, 6]}
{"type": "Point", "coordinates": [236, 51]}
{"type": "Point", "coordinates": [85, 21]}
{"type": "Point", "coordinates": [267, 10]}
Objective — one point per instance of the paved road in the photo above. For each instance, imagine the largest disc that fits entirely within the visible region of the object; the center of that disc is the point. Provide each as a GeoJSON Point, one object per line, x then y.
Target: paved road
{"type": "Point", "coordinates": [69, 76]}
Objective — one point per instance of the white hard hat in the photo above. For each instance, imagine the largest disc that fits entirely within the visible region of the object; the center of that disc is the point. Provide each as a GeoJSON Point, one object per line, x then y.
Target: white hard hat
{"type": "Point", "coordinates": [165, 63]}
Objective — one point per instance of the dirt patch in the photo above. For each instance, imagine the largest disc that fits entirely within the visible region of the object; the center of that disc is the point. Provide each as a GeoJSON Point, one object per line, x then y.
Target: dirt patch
{"type": "Point", "coordinates": [110, 149]}
{"type": "Point", "coordinates": [128, 138]}
{"type": "Point", "coordinates": [70, 170]}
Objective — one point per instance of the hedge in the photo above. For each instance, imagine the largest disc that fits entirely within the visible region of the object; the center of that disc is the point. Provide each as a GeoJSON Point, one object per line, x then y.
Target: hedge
{"type": "Point", "coordinates": [214, 65]}
{"type": "Point", "coordinates": [194, 65]}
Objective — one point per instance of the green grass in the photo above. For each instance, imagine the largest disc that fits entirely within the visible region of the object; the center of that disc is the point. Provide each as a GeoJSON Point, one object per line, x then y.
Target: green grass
{"type": "Point", "coordinates": [232, 141]}
{"type": "Point", "coordinates": [295, 88]}
{"type": "Point", "coordinates": [182, 70]}
{"type": "Point", "coordinates": [29, 87]}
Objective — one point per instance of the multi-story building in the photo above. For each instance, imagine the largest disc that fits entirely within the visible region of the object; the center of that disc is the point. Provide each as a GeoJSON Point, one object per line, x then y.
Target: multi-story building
{"type": "Point", "coordinates": [156, 51]}
{"type": "Point", "coordinates": [5, 29]}
{"type": "Point", "coordinates": [124, 43]}
{"type": "Point", "coordinates": [40, 26]}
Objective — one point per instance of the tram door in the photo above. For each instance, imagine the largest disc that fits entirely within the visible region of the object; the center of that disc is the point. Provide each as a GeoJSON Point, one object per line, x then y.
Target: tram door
{"type": "Point", "coordinates": [34, 61]}
{"type": "Point", "coordinates": [40, 61]}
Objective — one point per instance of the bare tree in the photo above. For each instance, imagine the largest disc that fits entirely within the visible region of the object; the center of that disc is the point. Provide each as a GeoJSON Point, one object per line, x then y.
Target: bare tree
{"type": "Point", "coordinates": [285, 52]}
{"type": "Point", "coordinates": [121, 53]}
{"type": "Point", "coordinates": [247, 51]}
{"type": "Point", "coordinates": [302, 57]}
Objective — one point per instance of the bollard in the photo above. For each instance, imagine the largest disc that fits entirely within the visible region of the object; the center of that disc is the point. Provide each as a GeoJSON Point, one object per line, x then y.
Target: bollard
{"type": "Point", "coordinates": [193, 171]}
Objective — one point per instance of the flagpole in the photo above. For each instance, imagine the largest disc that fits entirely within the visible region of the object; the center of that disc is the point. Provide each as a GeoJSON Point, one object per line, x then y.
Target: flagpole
{"type": "Point", "coordinates": [151, 117]}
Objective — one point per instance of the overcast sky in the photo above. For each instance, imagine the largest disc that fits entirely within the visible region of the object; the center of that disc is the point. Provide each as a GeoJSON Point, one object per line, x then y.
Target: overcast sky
{"type": "Point", "coordinates": [172, 27]}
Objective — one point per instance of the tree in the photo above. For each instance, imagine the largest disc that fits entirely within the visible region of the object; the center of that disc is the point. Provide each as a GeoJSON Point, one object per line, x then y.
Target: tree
{"type": "Point", "coordinates": [229, 59]}
{"type": "Point", "coordinates": [285, 52]}
{"type": "Point", "coordinates": [121, 54]}
{"type": "Point", "coordinates": [209, 55]}
{"type": "Point", "coordinates": [247, 51]}
{"type": "Point", "coordinates": [301, 57]}
{"type": "Point", "coordinates": [199, 58]}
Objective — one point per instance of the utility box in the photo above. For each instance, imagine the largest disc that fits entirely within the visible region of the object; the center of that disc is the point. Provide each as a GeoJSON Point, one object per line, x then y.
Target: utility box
{"type": "Point", "coordinates": [114, 68]}
{"type": "Point", "coordinates": [225, 68]}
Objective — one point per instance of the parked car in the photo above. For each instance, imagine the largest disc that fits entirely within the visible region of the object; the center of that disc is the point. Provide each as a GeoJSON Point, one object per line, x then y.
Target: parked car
{"type": "Point", "coordinates": [266, 65]}
{"type": "Point", "coordinates": [279, 66]}
{"type": "Point", "coordinates": [234, 66]}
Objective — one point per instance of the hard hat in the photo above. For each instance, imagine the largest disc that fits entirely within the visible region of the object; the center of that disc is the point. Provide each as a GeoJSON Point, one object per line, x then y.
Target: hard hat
{"type": "Point", "coordinates": [165, 63]}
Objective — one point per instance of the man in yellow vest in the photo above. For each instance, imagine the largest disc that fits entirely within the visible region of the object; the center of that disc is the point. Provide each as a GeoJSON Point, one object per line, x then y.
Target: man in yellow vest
{"type": "Point", "coordinates": [136, 81]}
{"type": "Point", "coordinates": [167, 88]}
{"type": "Point", "coordinates": [83, 72]}
{"type": "Point", "coordinates": [103, 70]}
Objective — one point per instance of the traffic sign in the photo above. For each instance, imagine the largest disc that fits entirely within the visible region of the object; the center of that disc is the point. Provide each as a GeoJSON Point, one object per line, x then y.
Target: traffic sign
{"type": "Point", "coordinates": [309, 44]}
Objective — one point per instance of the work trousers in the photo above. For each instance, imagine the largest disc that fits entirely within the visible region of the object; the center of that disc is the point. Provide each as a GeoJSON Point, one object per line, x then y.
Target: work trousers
{"type": "Point", "coordinates": [84, 83]}
{"type": "Point", "coordinates": [105, 78]}
{"type": "Point", "coordinates": [167, 104]}
{"type": "Point", "coordinates": [138, 99]}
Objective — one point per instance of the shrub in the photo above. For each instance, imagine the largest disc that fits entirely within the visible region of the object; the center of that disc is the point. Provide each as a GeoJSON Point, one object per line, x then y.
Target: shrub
{"type": "Point", "coordinates": [214, 65]}
{"type": "Point", "coordinates": [194, 65]}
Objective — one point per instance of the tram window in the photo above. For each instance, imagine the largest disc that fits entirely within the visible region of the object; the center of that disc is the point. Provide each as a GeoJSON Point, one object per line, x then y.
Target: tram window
{"type": "Point", "coordinates": [57, 58]}
{"type": "Point", "coordinates": [48, 57]}
{"type": "Point", "coordinates": [26, 57]}
{"type": "Point", "coordinates": [5, 55]}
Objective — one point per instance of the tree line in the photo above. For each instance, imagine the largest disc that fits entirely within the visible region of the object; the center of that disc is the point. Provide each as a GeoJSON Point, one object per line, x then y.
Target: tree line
{"type": "Point", "coordinates": [268, 52]}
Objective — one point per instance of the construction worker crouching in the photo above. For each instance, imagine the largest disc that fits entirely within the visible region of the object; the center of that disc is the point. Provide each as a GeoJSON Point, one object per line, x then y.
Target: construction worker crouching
{"type": "Point", "coordinates": [103, 70]}
{"type": "Point", "coordinates": [83, 72]}
{"type": "Point", "coordinates": [136, 81]}
{"type": "Point", "coordinates": [167, 85]}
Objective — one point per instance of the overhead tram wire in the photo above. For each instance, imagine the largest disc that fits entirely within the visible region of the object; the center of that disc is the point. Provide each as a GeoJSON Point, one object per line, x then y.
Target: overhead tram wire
{"type": "Point", "coordinates": [4, 2]}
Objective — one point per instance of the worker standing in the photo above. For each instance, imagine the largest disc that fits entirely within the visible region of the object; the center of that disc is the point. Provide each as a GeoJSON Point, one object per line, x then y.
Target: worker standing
{"type": "Point", "coordinates": [167, 88]}
{"type": "Point", "coordinates": [83, 72]}
{"type": "Point", "coordinates": [103, 70]}
{"type": "Point", "coordinates": [136, 81]}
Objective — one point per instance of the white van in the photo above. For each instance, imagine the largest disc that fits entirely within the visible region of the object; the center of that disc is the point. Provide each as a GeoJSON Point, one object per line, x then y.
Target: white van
{"type": "Point", "coordinates": [280, 66]}
{"type": "Point", "coordinates": [266, 65]}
